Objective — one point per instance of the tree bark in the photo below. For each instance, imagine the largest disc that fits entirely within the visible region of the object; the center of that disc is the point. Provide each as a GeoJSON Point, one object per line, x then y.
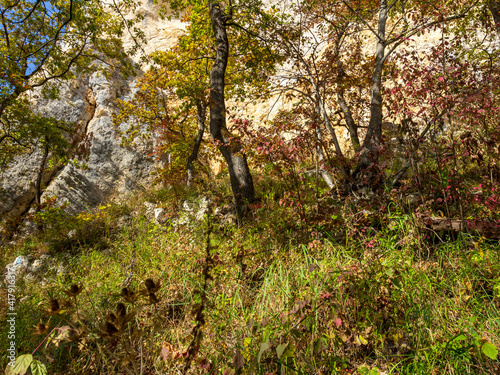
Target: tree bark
{"type": "Point", "coordinates": [494, 6]}
{"type": "Point", "coordinates": [321, 155]}
{"type": "Point", "coordinates": [39, 177]}
{"type": "Point", "coordinates": [202, 109]}
{"type": "Point", "coordinates": [239, 173]}
{"type": "Point", "coordinates": [370, 150]}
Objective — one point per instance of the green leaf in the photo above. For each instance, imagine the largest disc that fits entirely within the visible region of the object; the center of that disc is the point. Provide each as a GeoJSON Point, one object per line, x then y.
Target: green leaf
{"type": "Point", "coordinates": [21, 365]}
{"type": "Point", "coordinates": [263, 347]}
{"type": "Point", "coordinates": [397, 283]}
{"type": "Point", "coordinates": [363, 370]}
{"type": "Point", "coordinates": [289, 352]}
{"type": "Point", "coordinates": [490, 350]}
{"type": "Point", "coordinates": [38, 368]}
{"type": "Point", "coordinates": [9, 370]}
{"type": "Point", "coordinates": [280, 349]}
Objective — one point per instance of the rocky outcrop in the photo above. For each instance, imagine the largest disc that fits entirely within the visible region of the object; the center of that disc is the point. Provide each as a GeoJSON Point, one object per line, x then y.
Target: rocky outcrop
{"type": "Point", "coordinates": [88, 103]}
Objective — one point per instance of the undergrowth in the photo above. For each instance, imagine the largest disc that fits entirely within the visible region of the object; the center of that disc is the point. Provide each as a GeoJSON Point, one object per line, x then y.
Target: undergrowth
{"type": "Point", "coordinates": [331, 290]}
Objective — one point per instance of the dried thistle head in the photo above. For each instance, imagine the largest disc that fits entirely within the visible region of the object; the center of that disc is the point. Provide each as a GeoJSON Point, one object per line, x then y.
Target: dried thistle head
{"type": "Point", "coordinates": [109, 330]}
{"type": "Point", "coordinates": [112, 317]}
{"type": "Point", "coordinates": [74, 290]}
{"type": "Point", "coordinates": [151, 286]}
{"type": "Point", "coordinates": [54, 304]}
{"type": "Point", "coordinates": [40, 328]}
{"type": "Point", "coordinates": [121, 310]}
{"type": "Point", "coordinates": [54, 307]}
{"type": "Point", "coordinates": [129, 295]}
{"type": "Point", "coordinates": [73, 335]}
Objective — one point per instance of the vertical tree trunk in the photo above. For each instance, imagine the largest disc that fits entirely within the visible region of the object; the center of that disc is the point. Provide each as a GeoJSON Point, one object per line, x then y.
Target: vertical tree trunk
{"type": "Point", "coordinates": [239, 173]}
{"type": "Point", "coordinates": [322, 113]}
{"type": "Point", "coordinates": [320, 154]}
{"type": "Point", "coordinates": [39, 177]}
{"type": "Point", "coordinates": [200, 117]}
{"type": "Point", "coordinates": [370, 150]}
{"type": "Point", "coordinates": [494, 6]}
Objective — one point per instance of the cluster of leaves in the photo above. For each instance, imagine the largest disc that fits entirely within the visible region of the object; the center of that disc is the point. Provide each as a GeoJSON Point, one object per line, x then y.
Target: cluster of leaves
{"type": "Point", "coordinates": [43, 42]}
{"type": "Point", "coordinates": [16, 137]}
{"type": "Point", "coordinates": [173, 97]}
{"type": "Point", "coordinates": [171, 102]}
{"type": "Point", "coordinates": [282, 149]}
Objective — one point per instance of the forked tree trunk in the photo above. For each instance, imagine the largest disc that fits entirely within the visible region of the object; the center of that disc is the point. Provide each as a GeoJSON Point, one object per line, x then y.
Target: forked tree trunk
{"type": "Point", "coordinates": [239, 173]}
{"type": "Point", "coordinates": [370, 151]}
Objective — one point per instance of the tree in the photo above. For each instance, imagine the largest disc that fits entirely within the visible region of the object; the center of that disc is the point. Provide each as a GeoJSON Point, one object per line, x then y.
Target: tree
{"type": "Point", "coordinates": [327, 42]}
{"type": "Point", "coordinates": [179, 90]}
{"type": "Point", "coordinates": [448, 100]}
{"type": "Point", "coordinates": [239, 173]}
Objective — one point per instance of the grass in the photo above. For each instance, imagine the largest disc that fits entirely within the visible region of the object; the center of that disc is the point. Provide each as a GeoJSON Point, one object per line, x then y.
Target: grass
{"type": "Point", "coordinates": [283, 297]}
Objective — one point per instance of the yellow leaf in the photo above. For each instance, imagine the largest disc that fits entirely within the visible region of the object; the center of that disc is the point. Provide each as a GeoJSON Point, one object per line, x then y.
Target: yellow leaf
{"type": "Point", "coordinates": [362, 340]}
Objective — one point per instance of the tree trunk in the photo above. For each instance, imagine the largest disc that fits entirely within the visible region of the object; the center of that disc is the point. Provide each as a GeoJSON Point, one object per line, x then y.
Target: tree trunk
{"type": "Point", "coordinates": [39, 177]}
{"type": "Point", "coordinates": [321, 155]}
{"type": "Point", "coordinates": [202, 109]}
{"type": "Point", "coordinates": [494, 6]}
{"type": "Point", "coordinates": [351, 125]}
{"type": "Point", "coordinates": [370, 150]}
{"type": "Point", "coordinates": [239, 173]}
{"type": "Point", "coordinates": [321, 112]}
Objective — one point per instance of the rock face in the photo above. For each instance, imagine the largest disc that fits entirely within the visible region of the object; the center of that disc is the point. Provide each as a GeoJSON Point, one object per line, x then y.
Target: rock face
{"type": "Point", "coordinates": [89, 103]}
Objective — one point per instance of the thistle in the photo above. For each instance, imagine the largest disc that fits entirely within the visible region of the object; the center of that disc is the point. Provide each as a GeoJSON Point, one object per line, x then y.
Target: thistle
{"type": "Point", "coordinates": [40, 328]}
{"type": "Point", "coordinates": [54, 307]}
{"type": "Point", "coordinates": [74, 290]}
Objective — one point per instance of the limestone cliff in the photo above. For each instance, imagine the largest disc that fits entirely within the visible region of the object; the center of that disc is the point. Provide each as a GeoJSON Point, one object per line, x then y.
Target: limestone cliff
{"type": "Point", "coordinates": [88, 104]}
